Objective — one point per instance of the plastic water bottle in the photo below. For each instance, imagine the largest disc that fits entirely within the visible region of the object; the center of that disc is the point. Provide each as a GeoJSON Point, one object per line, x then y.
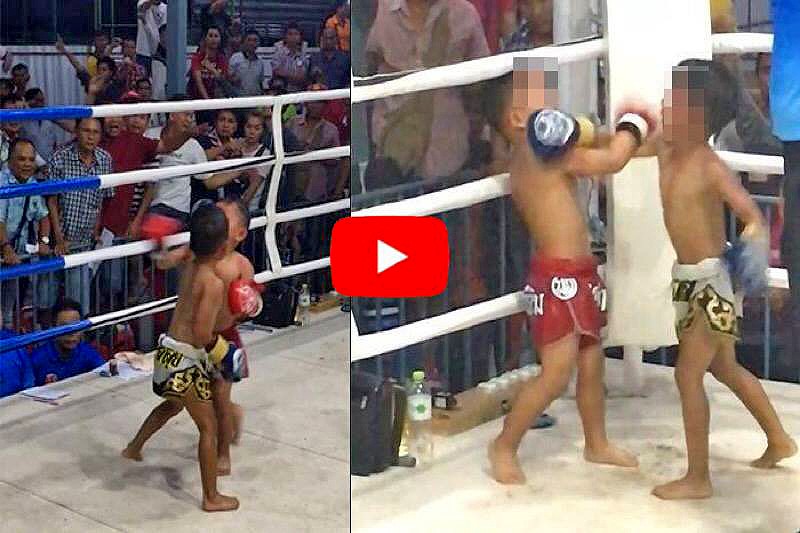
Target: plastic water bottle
{"type": "Point", "coordinates": [420, 435]}
{"type": "Point", "coordinates": [303, 306]}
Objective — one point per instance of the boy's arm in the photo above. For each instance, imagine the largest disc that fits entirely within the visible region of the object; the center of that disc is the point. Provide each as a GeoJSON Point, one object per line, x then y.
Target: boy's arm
{"type": "Point", "coordinates": [738, 199]}
{"type": "Point", "coordinates": [207, 294]}
{"type": "Point", "coordinates": [601, 161]}
{"type": "Point", "coordinates": [174, 258]}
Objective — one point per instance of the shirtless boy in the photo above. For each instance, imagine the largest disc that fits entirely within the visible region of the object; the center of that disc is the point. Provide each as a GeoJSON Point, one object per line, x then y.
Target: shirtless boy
{"type": "Point", "coordinates": [551, 150]}
{"type": "Point", "coordinates": [235, 271]}
{"type": "Point", "coordinates": [183, 361]}
{"type": "Point", "coordinates": [695, 187]}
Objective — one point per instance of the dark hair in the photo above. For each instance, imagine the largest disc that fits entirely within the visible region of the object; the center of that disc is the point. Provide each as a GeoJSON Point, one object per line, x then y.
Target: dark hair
{"type": "Point", "coordinates": [110, 63]}
{"type": "Point", "coordinates": [292, 25]}
{"type": "Point", "coordinates": [244, 213]}
{"type": "Point", "coordinates": [252, 31]}
{"type": "Point", "coordinates": [212, 27]}
{"type": "Point", "coordinates": [18, 67]}
{"type": "Point", "coordinates": [221, 111]}
{"type": "Point", "coordinates": [20, 140]}
{"type": "Point", "coordinates": [100, 33]}
{"type": "Point", "coordinates": [208, 230]}
{"type": "Point", "coordinates": [161, 28]}
{"type": "Point", "coordinates": [720, 88]}
{"type": "Point", "coordinates": [81, 120]}
{"type": "Point", "coordinates": [67, 305]}
{"type": "Point", "coordinates": [10, 99]}
{"type": "Point", "coordinates": [147, 80]}
{"type": "Point", "coordinates": [30, 94]}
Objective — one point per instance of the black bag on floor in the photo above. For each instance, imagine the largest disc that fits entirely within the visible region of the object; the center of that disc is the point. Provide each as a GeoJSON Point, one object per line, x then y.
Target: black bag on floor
{"type": "Point", "coordinates": [280, 305]}
{"type": "Point", "coordinates": [377, 409]}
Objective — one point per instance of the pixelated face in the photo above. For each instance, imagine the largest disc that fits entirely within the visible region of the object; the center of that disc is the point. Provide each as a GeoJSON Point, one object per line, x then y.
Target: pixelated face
{"type": "Point", "coordinates": [293, 37]}
{"type": "Point", "coordinates": [37, 101]}
{"type": "Point", "coordinates": [329, 39]}
{"type": "Point", "coordinates": [253, 129]}
{"type": "Point", "coordinates": [23, 161]}
{"type": "Point", "coordinates": [112, 126]}
{"type": "Point", "coordinates": [89, 134]}
{"type": "Point", "coordinates": [137, 123]}
{"type": "Point", "coordinates": [684, 110]}
{"type": "Point", "coordinates": [213, 38]}
{"type": "Point", "coordinates": [236, 230]}
{"type": "Point", "coordinates": [68, 342]}
{"type": "Point", "coordinates": [12, 128]}
{"type": "Point", "coordinates": [226, 124]}
{"type": "Point", "coordinates": [535, 86]}
{"type": "Point", "coordinates": [129, 48]}
{"type": "Point", "coordinates": [144, 89]}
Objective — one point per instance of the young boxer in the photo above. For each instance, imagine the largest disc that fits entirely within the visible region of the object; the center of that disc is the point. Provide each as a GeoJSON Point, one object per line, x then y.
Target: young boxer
{"type": "Point", "coordinates": [242, 299]}
{"type": "Point", "coordinates": [696, 185]}
{"type": "Point", "coordinates": [550, 150]}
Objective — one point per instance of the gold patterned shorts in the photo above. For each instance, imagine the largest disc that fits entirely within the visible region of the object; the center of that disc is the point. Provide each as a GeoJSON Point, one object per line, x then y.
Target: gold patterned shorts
{"type": "Point", "coordinates": [704, 290]}
{"type": "Point", "coordinates": [180, 369]}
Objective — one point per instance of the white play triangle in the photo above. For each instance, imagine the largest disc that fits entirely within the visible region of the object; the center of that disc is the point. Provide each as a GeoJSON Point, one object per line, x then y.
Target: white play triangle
{"type": "Point", "coordinates": [388, 256]}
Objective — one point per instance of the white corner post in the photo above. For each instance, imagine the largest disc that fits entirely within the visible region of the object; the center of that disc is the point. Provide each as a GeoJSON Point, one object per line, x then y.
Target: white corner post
{"type": "Point", "coordinates": [645, 39]}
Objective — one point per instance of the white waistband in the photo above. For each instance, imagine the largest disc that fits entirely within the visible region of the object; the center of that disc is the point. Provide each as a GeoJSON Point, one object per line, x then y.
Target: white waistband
{"type": "Point", "coordinates": [183, 348]}
{"type": "Point", "coordinates": [707, 268]}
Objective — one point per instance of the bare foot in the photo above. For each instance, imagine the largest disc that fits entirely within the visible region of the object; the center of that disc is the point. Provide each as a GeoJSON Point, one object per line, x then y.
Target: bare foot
{"type": "Point", "coordinates": [504, 465]}
{"type": "Point", "coordinates": [223, 466]}
{"type": "Point", "coordinates": [238, 422]}
{"type": "Point", "coordinates": [131, 453]}
{"type": "Point", "coordinates": [684, 489]}
{"type": "Point", "coordinates": [775, 452]}
{"type": "Point", "coordinates": [220, 503]}
{"type": "Point", "coordinates": [611, 455]}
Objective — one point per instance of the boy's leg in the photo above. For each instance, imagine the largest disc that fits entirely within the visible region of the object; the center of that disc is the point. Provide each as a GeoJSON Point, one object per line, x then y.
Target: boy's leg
{"type": "Point", "coordinates": [224, 414]}
{"type": "Point", "coordinates": [558, 360]}
{"type": "Point", "coordinates": [238, 422]}
{"type": "Point", "coordinates": [202, 412]}
{"type": "Point", "coordinates": [590, 396]}
{"type": "Point", "coordinates": [695, 352]}
{"type": "Point", "coordinates": [748, 389]}
{"type": "Point", "coordinates": [154, 421]}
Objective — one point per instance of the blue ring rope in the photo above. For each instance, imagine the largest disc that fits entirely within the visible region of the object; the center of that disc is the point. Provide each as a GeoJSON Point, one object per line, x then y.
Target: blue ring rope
{"type": "Point", "coordinates": [45, 188]}
{"type": "Point", "coordinates": [45, 113]}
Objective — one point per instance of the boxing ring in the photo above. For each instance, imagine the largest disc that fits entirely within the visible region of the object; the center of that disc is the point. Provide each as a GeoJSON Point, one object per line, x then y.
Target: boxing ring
{"type": "Point", "coordinates": [61, 462]}
{"type": "Point", "coordinates": [563, 493]}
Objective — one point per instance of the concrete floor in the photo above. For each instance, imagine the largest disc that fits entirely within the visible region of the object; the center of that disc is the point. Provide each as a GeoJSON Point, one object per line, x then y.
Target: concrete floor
{"type": "Point", "coordinates": [566, 494]}
{"type": "Point", "coordinates": [60, 468]}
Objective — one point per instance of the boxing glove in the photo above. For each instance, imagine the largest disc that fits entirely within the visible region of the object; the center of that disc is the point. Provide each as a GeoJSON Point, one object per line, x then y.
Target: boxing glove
{"type": "Point", "coordinates": [551, 133]}
{"type": "Point", "coordinates": [227, 357]}
{"type": "Point", "coordinates": [244, 297]}
{"type": "Point", "coordinates": [159, 227]}
{"type": "Point", "coordinates": [748, 261]}
{"type": "Point", "coordinates": [638, 119]}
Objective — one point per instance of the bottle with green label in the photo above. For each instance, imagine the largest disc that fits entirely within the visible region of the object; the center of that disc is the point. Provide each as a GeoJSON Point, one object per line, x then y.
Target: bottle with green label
{"type": "Point", "coordinates": [420, 434]}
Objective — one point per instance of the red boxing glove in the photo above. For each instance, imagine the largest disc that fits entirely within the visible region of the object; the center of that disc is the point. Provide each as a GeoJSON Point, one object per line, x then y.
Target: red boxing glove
{"type": "Point", "coordinates": [244, 297]}
{"type": "Point", "coordinates": [158, 227]}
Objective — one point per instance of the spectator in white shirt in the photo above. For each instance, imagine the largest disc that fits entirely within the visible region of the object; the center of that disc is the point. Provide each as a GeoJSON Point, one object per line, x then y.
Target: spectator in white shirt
{"type": "Point", "coordinates": [249, 71]}
{"type": "Point", "coordinates": [151, 15]}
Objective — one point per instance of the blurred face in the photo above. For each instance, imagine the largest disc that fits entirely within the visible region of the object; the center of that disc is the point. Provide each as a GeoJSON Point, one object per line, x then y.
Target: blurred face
{"type": "Point", "coordinates": [250, 44]}
{"type": "Point", "coordinates": [183, 120]}
{"type": "Point", "coordinates": [67, 343]}
{"type": "Point", "coordinates": [534, 88]}
{"type": "Point", "coordinates": [343, 11]}
{"type": "Point", "coordinates": [235, 42]}
{"type": "Point", "coordinates": [763, 72]}
{"type": "Point", "coordinates": [541, 15]}
{"type": "Point", "coordinates": [5, 88]}
{"type": "Point", "coordinates": [100, 43]}
{"type": "Point", "coordinates": [37, 101]}
{"type": "Point", "coordinates": [329, 39]}
{"type": "Point", "coordinates": [103, 70]}
{"type": "Point", "coordinates": [137, 123]}
{"type": "Point", "coordinates": [20, 77]}
{"type": "Point", "coordinates": [23, 161]}
{"type": "Point", "coordinates": [12, 128]}
{"type": "Point", "coordinates": [293, 37]}
{"type": "Point", "coordinates": [236, 230]}
{"type": "Point", "coordinates": [112, 126]}
{"type": "Point", "coordinates": [89, 134]}
{"type": "Point", "coordinates": [315, 109]}
{"type": "Point", "coordinates": [145, 89]}
{"type": "Point", "coordinates": [213, 38]}
{"type": "Point", "coordinates": [129, 48]}
{"type": "Point", "coordinates": [253, 130]}
{"type": "Point", "coordinates": [226, 124]}
{"type": "Point", "coordinates": [684, 114]}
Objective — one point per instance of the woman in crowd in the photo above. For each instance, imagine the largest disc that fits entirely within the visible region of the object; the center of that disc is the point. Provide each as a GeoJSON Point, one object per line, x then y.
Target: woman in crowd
{"type": "Point", "coordinates": [209, 70]}
{"type": "Point", "coordinates": [221, 143]}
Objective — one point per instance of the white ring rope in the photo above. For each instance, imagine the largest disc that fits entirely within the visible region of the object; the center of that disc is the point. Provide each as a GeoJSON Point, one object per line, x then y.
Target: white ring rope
{"type": "Point", "coordinates": [467, 72]}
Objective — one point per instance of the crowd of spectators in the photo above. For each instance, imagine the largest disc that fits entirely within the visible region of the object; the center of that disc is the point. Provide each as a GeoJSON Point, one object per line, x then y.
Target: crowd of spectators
{"type": "Point", "coordinates": [131, 69]}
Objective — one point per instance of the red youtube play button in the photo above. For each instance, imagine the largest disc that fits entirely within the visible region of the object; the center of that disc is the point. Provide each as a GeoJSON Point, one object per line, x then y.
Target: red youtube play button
{"type": "Point", "coordinates": [389, 257]}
